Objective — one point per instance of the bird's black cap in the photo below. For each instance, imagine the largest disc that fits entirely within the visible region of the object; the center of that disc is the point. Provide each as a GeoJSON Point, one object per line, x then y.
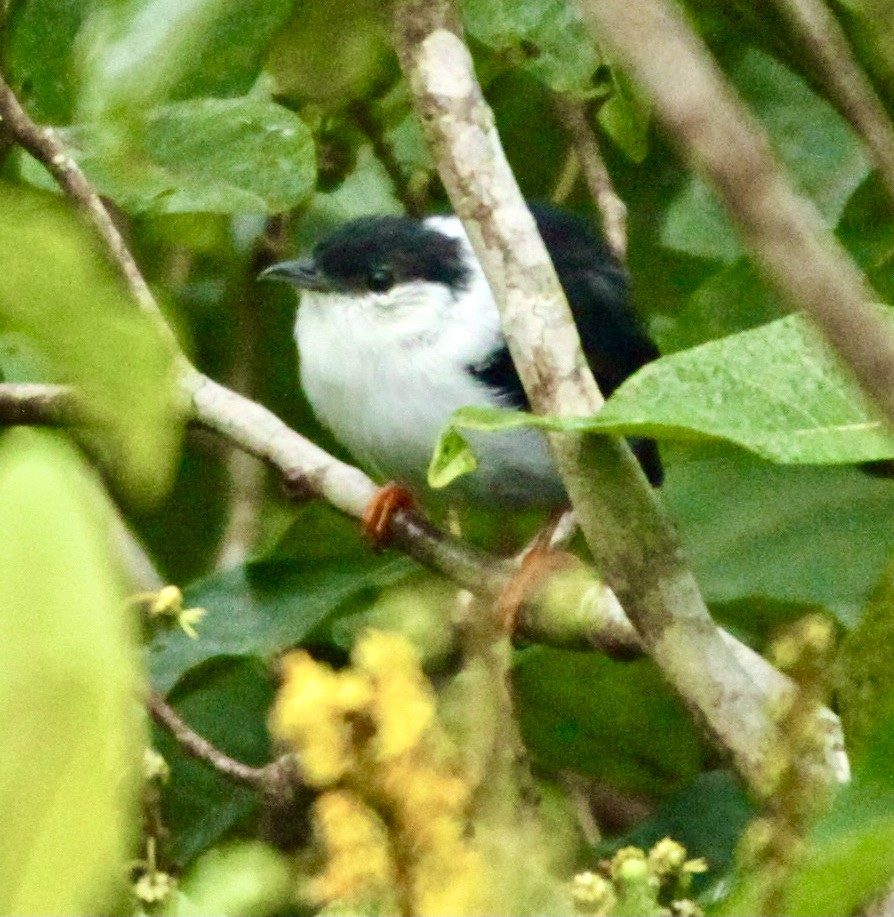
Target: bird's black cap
{"type": "Point", "coordinates": [374, 253]}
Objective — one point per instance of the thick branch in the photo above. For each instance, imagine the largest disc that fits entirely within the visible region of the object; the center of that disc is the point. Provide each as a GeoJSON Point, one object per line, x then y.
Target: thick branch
{"type": "Point", "coordinates": [814, 24]}
{"type": "Point", "coordinates": [718, 135]}
{"type": "Point", "coordinates": [613, 211]}
{"type": "Point", "coordinates": [634, 543]}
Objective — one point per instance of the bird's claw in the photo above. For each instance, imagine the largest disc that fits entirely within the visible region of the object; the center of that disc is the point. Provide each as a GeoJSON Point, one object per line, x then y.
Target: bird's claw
{"type": "Point", "coordinates": [376, 521]}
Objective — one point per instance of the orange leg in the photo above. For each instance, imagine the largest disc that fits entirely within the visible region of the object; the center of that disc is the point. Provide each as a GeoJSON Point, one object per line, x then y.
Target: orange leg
{"type": "Point", "coordinates": [376, 521]}
{"type": "Point", "coordinates": [536, 561]}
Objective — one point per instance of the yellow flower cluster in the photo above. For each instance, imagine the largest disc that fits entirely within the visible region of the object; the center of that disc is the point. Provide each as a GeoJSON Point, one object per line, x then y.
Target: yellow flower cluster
{"type": "Point", "coordinates": [393, 814]}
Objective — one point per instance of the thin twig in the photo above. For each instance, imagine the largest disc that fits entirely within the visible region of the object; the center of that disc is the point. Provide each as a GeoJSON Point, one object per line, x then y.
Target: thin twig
{"type": "Point", "coordinates": [200, 748]}
{"type": "Point", "coordinates": [573, 117]}
{"type": "Point", "coordinates": [821, 34]}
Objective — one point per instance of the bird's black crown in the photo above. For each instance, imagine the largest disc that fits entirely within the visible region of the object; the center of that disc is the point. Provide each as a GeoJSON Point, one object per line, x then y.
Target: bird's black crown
{"type": "Point", "coordinates": [374, 253]}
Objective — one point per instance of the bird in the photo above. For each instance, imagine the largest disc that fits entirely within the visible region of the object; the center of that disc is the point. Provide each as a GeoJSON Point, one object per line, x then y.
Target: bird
{"type": "Point", "coordinates": [397, 328]}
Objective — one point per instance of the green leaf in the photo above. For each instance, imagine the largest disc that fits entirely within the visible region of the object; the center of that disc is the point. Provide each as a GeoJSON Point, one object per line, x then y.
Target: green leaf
{"type": "Point", "coordinates": [733, 299]}
{"type": "Point", "coordinates": [626, 117]}
{"type": "Point", "coordinates": [865, 677]}
{"type": "Point", "coordinates": [41, 34]}
{"type": "Point", "coordinates": [212, 155]}
{"type": "Point", "coordinates": [547, 36]}
{"type": "Point", "coordinates": [243, 879]}
{"type": "Point", "coordinates": [71, 738]}
{"type": "Point", "coordinates": [815, 143]}
{"type": "Point", "coordinates": [261, 608]}
{"type": "Point", "coordinates": [452, 457]}
{"type": "Point", "coordinates": [226, 702]}
{"type": "Point", "coordinates": [613, 721]}
{"type": "Point", "coordinates": [806, 535]}
{"type": "Point", "coordinates": [56, 290]}
{"type": "Point", "coordinates": [135, 55]}
{"type": "Point", "coordinates": [777, 391]}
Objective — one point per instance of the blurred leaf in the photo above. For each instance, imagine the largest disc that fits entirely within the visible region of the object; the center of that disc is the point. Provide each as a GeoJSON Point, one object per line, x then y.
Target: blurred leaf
{"type": "Point", "coordinates": [331, 59]}
{"type": "Point", "coordinates": [38, 56]}
{"type": "Point", "coordinates": [820, 151]}
{"type": "Point", "coordinates": [733, 299]}
{"type": "Point", "coordinates": [625, 117]}
{"type": "Point", "coordinates": [707, 818]}
{"type": "Point", "coordinates": [814, 536]}
{"type": "Point", "coordinates": [366, 190]}
{"type": "Point", "coordinates": [226, 702]}
{"type": "Point", "coordinates": [261, 608]}
{"type": "Point", "coordinates": [214, 155]}
{"type": "Point", "coordinates": [865, 677]}
{"type": "Point", "coordinates": [777, 391]}
{"type": "Point", "coordinates": [548, 38]}
{"type": "Point", "coordinates": [242, 880]}
{"type": "Point", "coordinates": [135, 55]}
{"type": "Point", "coordinates": [57, 290]}
{"type": "Point", "coordinates": [618, 722]}
{"type": "Point", "coordinates": [71, 742]}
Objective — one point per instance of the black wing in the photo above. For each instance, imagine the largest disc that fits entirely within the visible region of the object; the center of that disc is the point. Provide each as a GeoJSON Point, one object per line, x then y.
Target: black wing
{"type": "Point", "coordinates": [598, 292]}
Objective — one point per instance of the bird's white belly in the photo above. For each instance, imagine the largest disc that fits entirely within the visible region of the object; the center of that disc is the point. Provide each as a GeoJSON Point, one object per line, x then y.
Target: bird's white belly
{"type": "Point", "coordinates": [389, 412]}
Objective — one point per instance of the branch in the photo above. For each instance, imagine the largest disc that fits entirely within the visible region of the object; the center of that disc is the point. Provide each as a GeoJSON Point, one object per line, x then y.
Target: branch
{"type": "Point", "coordinates": [201, 749]}
{"type": "Point", "coordinates": [627, 530]}
{"type": "Point", "coordinates": [718, 135]}
{"type": "Point", "coordinates": [817, 28]}
{"type": "Point", "coordinates": [573, 117]}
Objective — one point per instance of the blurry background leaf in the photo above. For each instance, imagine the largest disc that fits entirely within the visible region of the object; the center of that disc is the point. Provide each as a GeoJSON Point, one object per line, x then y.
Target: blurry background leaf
{"type": "Point", "coordinates": [618, 722]}
{"type": "Point", "coordinates": [55, 288]}
{"type": "Point", "coordinates": [263, 607]}
{"type": "Point", "coordinates": [241, 880]}
{"type": "Point", "coordinates": [70, 759]}
{"type": "Point", "coordinates": [547, 38]}
{"type": "Point", "coordinates": [216, 155]}
{"type": "Point", "coordinates": [136, 54]}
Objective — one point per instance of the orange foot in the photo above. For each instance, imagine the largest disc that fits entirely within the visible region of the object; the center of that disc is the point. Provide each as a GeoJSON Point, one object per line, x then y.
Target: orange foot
{"type": "Point", "coordinates": [538, 559]}
{"type": "Point", "coordinates": [376, 521]}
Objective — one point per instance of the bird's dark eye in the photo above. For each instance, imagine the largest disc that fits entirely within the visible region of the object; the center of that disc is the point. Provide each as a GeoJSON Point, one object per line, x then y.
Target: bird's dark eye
{"type": "Point", "coordinates": [380, 279]}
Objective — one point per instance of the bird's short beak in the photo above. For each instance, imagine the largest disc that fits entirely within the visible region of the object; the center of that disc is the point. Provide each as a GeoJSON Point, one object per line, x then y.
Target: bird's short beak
{"type": "Point", "coordinates": [303, 274]}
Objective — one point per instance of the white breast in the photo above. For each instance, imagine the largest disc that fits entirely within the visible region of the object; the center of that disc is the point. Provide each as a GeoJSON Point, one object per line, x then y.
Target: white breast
{"type": "Point", "coordinates": [385, 372]}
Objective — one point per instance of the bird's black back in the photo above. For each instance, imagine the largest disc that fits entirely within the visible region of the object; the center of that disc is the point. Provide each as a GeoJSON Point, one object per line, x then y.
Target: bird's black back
{"type": "Point", "coordinates": [598, 292]}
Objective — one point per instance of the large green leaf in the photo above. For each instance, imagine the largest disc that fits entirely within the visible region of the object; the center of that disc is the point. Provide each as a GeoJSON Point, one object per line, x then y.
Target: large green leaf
{"type": "Point", "coordinates": [806, 535]}
{"type": "Point", "coordinates": [57, 291]}
{"type": "Point", "coordinates": [614, 721]}
{"type": "Point", "coordinates": [70, 723]}
{"type": "Point", "coordinates": [777, 391]}
{"type": "Point", "coordinates": [261, 608]}
{"type": "Point", "coordinates": [215, 155]}
{"type": "Point", "coordinates": [823, 155]}
{"type": "Point", "coordinates": [548, 37]}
